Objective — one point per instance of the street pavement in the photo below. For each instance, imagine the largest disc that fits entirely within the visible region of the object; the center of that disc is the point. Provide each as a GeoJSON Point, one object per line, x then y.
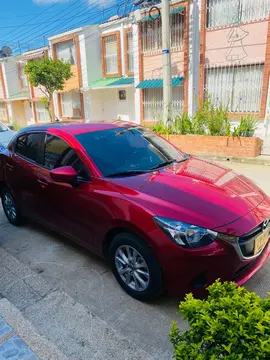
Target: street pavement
{"type": "Point", "coordinates": [71, 297]}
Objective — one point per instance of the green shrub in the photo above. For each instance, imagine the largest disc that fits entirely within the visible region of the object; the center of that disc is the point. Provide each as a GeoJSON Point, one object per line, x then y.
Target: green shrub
{"type": "Point", "coordinates": [182, 124]}
{"type": "Point", "coordinates": [247, 127]}
{"type": "Point", "coordinates": [159, 127]}
{"type": "Point", "coordinates": [232, 324]}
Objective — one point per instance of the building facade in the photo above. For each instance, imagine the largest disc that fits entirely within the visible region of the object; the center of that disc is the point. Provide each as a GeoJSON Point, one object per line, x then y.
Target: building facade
{"type": "Point", "coordinates": [235, 57]}
{"type": "Point", "coordinates": [220, 49]}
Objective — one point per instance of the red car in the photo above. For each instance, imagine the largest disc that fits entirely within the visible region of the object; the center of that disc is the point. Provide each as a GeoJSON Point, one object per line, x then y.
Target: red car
{"type": "Point", "coordinates": [162, 219]}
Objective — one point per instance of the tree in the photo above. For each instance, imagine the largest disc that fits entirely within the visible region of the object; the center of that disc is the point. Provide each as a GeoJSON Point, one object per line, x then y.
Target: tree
{"type": "Point", "coordinates": [49, 75]}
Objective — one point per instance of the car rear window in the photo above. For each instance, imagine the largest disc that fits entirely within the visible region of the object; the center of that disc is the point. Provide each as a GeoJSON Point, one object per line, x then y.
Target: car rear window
{"type": "Point", "coordinates": [27, 145]}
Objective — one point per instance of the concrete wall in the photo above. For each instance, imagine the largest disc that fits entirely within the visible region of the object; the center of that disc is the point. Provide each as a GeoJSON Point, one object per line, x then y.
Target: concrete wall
{"type": "Point", "coordinates": [13, 86]}
{"type": "Point", "coordinates": [249, 45]}
{"type": "Point", "coordinates": [105, 105]}
{"type": "Point", "coordinates": [90, 55]}
{"type": "Point", "coordinates": [153, 67]}
{"type": "Point", "coordinates": [28, 113]}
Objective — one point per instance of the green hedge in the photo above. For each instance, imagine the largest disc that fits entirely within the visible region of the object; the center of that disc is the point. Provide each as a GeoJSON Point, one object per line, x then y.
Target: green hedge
{"type": "Point", "coordinates": [232, 324]}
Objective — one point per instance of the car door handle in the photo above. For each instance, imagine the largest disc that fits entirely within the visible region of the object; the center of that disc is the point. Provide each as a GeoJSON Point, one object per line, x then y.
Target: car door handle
{"type": "Point", "coordinates": [10, 167]}
{"type": "Point", "coordinates": [43, 183]}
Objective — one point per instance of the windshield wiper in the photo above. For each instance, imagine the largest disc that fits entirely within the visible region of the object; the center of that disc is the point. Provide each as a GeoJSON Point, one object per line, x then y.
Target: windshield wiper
{"type": "Point", "coordinates": [127, 173]}
{"type": "Point", "coordinates": [165, 163]}
{"type": "Point", "coordinates": [169, 162]}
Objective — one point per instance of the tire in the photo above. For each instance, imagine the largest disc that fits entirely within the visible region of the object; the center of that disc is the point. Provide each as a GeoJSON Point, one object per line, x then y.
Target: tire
{"type": "Point", "coordinates": [10, 208]}
{"type": "Point", "coordinates": [140, 255]}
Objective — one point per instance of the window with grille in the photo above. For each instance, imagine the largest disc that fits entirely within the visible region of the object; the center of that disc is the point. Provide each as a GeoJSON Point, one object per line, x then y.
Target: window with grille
{"type": "Point", "coordinates": [111, 54]}
{"type": "Point", "coordinates": [152, 33]}
{"type": "Point", "coordinates": [42, 113]}
{"type": "Point", "coordinates": [226, 12]}
{"type": "Point", "coordinates": [130, 51]}
{"type": "Point", "coordinates": [153, 103]}
{"type": "Point", "coordinates": [71, 105]}
{"type": "Point", "coordinates": [237, 87]}
{"type": "Point", "coordinates": [23, 76]}
{"type": "Point", "coordinates": [66, 51]}
{"type": "Point", "coordinates": [3, 112]}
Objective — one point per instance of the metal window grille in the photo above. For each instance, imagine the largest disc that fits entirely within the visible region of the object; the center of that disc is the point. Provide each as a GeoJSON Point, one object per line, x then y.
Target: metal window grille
{"type": "Point", "coordinates": [152, 34]}
{"type": "Point", "coordinates": [177, 31]}
{"type": "Point", "coordinates": [111, 54]}
{"type": "Point", "coordinates": [3, 112]}
{"type": "Point", "coordinates": [226, 12]}
{"type": "Point", "coordinates": [71, 104]}
{"type": "Point", "coordinates": [42, 113]}
{"type": "Point", "coordinates": [238, 87]}
{"type": "Point", "coordinates": [130, 51]}
{"type": "Point", "coordinates": [153, 103]}
{"type": "Point", "coordinates": [23, 76]}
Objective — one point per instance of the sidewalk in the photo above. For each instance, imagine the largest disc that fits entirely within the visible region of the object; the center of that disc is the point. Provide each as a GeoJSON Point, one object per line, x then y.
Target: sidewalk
{"type": "Point", "coordinates": [20, 341]}
{"type": "Point", "coordinates": [260, 160]}
{"type": "Point", "coordinates": [41, 322]}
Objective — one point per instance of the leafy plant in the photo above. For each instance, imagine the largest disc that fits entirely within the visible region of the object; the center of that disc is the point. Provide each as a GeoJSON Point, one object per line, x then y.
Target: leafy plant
{"type": "Point", "coordinates": [247, 127]}
{"type": "Point", "coordinates": [231, 324]}
{"type": "Point", "coordinates": [49, 75]}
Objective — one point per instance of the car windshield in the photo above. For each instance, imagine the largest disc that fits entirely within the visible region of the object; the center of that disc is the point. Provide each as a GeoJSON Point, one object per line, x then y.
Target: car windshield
{"type": "Point", "coordinates": [3, 127]}
{"type": "Point", "coordinates": [130, 150]}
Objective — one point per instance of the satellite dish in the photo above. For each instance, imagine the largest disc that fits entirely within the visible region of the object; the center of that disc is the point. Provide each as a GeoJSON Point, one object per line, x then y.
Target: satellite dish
{"type": "Point", "coordinates": [5, 51]}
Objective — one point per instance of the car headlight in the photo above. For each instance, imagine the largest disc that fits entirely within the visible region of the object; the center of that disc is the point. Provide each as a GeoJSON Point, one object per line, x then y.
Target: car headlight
{"type": "Point", "coordinates": [186, 235]}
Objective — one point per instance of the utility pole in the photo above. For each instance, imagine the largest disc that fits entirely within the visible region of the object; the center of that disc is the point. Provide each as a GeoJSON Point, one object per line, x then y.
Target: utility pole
{"type": "Point", "coordinates": [167, 65]}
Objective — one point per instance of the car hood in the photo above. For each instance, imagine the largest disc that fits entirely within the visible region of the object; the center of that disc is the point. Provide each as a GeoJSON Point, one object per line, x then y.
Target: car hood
{"type": "Point", "coordinates": [5, 137]}
{"type": "Point", "coordinates": [195, 191]}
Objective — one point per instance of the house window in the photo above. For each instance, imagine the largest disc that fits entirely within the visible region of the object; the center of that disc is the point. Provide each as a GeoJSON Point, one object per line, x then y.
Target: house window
{"type": "Point", "coordinates": [226, 12]}
{"type": "Point", "coordinates": [23, 76]}
{"type": "Point", "coordinates": [153, 103]}
{"type": "Point", "coordinates": [237, 87]}
{"type": "Point", "coordinates": [42, 113]}
{"type": "Point", "coordinates": [66, 51]}
{"type": "Point", "coordinates": [152, 33]}
{"type": "Point", "coordinates": [71, 105]}
{"type": "Point", "coordinates": [111, 54]}
{"type": "Point", "coordinates": [130, 51]}
{"type": "Point", "coordinates": [177, 31]}
{"type": "Point", "coordinates": [3, 111]}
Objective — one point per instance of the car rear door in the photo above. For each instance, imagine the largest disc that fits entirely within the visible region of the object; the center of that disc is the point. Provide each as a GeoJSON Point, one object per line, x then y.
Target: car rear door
{"type": "Point", "coordinates": [21, 169]}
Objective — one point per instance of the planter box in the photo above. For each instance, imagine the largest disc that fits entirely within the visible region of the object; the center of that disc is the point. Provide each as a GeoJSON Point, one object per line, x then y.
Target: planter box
{"type": "Point", "coordinates": [217, 145]}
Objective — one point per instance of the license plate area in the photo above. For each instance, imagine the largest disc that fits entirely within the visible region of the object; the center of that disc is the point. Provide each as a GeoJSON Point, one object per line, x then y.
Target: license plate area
{"type": "Point", "coordinates": [261, 241]}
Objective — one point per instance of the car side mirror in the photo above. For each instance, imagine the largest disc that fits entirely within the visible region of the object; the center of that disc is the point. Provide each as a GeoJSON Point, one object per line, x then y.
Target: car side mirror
{"type": "Point", "coordinates": [11, 127]}
{"type": "Point", "coordinates": [65, 174]}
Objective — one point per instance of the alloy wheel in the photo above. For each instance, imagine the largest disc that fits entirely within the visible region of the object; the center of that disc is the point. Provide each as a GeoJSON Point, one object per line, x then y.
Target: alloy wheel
{"type": "Point", "coordinates": [9, 206]}
{"type": "Point", "coordinates": [132, 268]}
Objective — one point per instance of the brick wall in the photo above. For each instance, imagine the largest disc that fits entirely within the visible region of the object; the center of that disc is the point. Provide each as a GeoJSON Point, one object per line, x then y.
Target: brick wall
{"type": "Point", "coordinates": [217, 145]}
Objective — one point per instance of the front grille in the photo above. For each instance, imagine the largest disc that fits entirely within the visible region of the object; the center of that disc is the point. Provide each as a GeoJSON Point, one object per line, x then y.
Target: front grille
{"type": "Point", "coordinates": [247, 241]}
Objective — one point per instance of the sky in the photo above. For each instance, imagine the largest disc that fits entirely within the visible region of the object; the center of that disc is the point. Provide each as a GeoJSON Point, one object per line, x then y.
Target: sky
{"type": "Point", "coordinates": [25, 24]}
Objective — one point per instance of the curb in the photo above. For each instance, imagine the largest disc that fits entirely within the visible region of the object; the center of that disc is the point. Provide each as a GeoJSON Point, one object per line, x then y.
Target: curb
{"type": "Point", "coordinates": [260, 160]}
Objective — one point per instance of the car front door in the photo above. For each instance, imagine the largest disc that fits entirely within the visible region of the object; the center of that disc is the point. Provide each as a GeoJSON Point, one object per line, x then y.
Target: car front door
{"type": "Point", "coordinates": [64, 206]}
{"type": "Point", "coordinates": [21, 172]}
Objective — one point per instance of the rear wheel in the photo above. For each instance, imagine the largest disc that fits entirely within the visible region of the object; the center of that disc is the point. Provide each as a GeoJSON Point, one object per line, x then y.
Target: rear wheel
{"type": "Point", "coordinates": [135, 267]}
{"type": "Point", "coordinates": [10, 208]}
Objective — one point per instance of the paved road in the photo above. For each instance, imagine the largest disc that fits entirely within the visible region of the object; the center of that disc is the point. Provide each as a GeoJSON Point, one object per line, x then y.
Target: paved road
{"type": "Point", "coordinates": [88, 281]}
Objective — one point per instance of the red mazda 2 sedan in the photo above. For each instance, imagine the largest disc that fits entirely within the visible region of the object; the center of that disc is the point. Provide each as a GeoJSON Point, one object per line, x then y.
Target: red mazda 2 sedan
{"type": "Point", "coordinates": [162, 219]}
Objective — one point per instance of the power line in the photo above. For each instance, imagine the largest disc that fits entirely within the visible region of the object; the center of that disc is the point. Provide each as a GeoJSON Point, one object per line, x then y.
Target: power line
{"type": "Point", "coordinates": [80, 23]}
{"type": "Point", "coordinates": [54, 16]}
{"type": "Point", "coordinates": [43, 12]}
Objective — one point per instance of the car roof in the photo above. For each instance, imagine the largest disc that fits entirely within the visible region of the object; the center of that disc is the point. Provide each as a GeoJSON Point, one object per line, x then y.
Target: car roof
{"type": "Point", "coordinates": [79, 128]}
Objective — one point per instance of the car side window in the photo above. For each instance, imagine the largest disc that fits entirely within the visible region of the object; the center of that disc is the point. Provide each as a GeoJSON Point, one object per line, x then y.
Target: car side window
{"type": "Point", "coordinates": [27, 145]}
{"type": "Point", "coordinates": [58, 153]}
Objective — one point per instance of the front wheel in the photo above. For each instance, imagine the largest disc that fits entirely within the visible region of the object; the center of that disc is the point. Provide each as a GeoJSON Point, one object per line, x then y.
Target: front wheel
{"type": "Point", "coordinates": [10, 208]}
{"type": "Point", "coordinates": [135, 267]}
